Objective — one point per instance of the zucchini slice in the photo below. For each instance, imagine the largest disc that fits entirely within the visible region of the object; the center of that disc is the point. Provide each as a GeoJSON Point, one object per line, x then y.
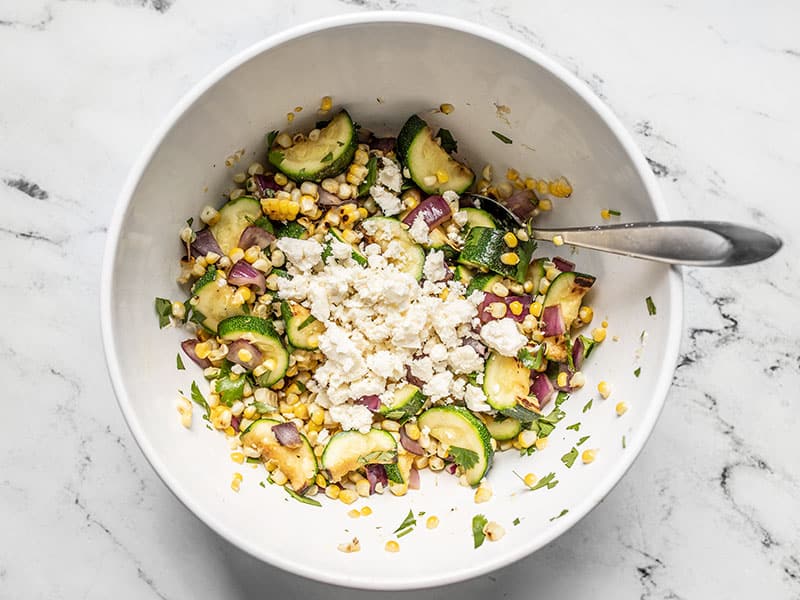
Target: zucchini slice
{"type": "Point", "coordinates": [292, 229]}
{"type": "Point", "coordinates": [302, 329]}
{"type": "Point", "coordinates": [438, 240]}
{"type": "Point", "coordinates": [350, 450]}
{"type": "Point", "coordinates": [457, 426]}
{"type": "Point", "coordinates": [406, 402]}
{"type": "Point", "coordinates": [484, 248]}
{"type": "Point", "coordinates": [479, 218]}
{"type": "Point", "coordinates": [212, 303]}
{"type": "Point", "coordinates": [483, 282]}
{"type": "Point", "coordinates": [262, 334]}
{"type": "Point", "coordinates": [535, 273]}
{"type": "Point", "coordinates": [507, 384]}
{"type": "Point", "coordinates": [464, 275]}
{"type": "Point", "coordinates": [327, 156]}
{"type": "Point", "coordinates": [236, 216]}
{"type": "Point", "coordinates": [298, 464]}
{"type": "Point", "coordinates": [386, 229]}
{"type": "Point", "coordinates": [356, 255]}
{"type": "Point", "coordinates": [568, 290]}
{"type": "Point", "coordinates": [427, 161]}
{"type": "Point", "coordinates": [502, 429]}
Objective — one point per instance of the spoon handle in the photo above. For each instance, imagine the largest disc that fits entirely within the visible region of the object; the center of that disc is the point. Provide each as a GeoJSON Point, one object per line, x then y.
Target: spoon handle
{"type": "Point", "coordinates": [697, 243]}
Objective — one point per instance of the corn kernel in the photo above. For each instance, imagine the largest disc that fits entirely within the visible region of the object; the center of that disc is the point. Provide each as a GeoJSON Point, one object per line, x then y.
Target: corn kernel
{"type": "Point", "coordinates": [545, 205]}
{"type": "Point", "coordinates": [516, 308]}
{"type": "Point", "coordinates": [332, 491]}
{"type": "Point", "coordinates": [429, 180]}
{"type": "Point", "coordinates": [237, 457]}
{"type": "Point", "coordinates": [510, 239]}
{"type": "Point", "coordinates": [541, 443]}
{"type": "Point", "coordinates": [621, 408]}
{"type": "Point", "coordinates": [493, 531]}
{"type": "Point", "coordinates": [578, 380]}
{"type": "Point", "coordinates": [446, 108]}
{"type": "Point", "coordinates": [320, 481]}
{"type": "Point", "coordinates": [530, 479]}
{"type": "Point", "coordinates": [348, 496]}
{"type": "Point", "coordinates": [586, 314]}
{"type": "Point", "coordinates": [412, 431]}
{"type": "Point", "coordinates": [509, 258]}
{"type": "Point", "coordinates": [444, 293]}
{"type": "Point", "coordinates": [558, 240]}
{"type": "Point", "coordinates": [544, 284]}
{"type": "Point", "coordinates": [588, 456]}
{"type": "Point", "coordinates": [202, 350]}
{"type": "Point", "coordinates": [301, 411]}
{"type": "Point", "coordinates": [483, 494]}
{"type": "Point", "coordinates": [526, 438]}
{"type": "Point", "coordinates": [185, 410]}
{"type": "Point", "coordinates": [442, 177]}
{"type": "Point", "coordinates": [604, 214]}
{"type": "Point", "coordinates": [236, 481]}
{"type": "Point", "coordinates": [362, 488]}
{"type": "Point", "coordinates": [561, 380]}
{"type": "Point", "coordinates": [598, 334]}
{"type": "Point", "coordinates": [604, 389]}
{"type": "Point", "coordinates": [498, 289]}
{"type": "Point", "coordinates": [432, 522]}
{"type": "Point", "coordinates": [318, 418]}
{"type": "Point", "coordinates": [535, 309]}
{"type": "Point", "coordinates": [354, 513]}
{"type": "Point", "coordinates": [392, 546]}
{"type": "Point", "coordinates": [326, 103]}
{"type": "Point", "coordinates": [398, 489]}
{"type": "Point", "coordinates": [279, 477]}
{"type": "Point", "coordinates": [349, 547]}
{"type": "Point", "coordinates": [498, 309]}
{"type": "Point", "coordinates": [366, 511]}
{"type": "Point", "coordinates": [560, 188]}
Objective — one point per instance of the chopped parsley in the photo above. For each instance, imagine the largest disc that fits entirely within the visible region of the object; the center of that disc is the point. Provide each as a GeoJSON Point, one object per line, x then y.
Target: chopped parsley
{"type": "Point", "coordinates": [515, 521]}
{"type": "Point", "coordinates": [637, 371]}
{"type": "Point", "coordinates": [271, 138]}
{"type": "Point", "coordinates": [651, 307]}
{"type": "Point", "coordinates": [587, 406]}
{"type": "Point", "coordinates": [263, 408]}
{"type": "Point", "coordinates": [623, 442]}
{"type": "Point", "coordinates": [569, 458]}
{"type": "Point", "coordinates": [583, 439]}
{"type": "Point", "coordinates": [574, 427]}
{"type": "Point", "coordinates": [262, 484]}
{"type": "Point", "coordinates": [531, 360]}
{"type": "Point", "coordinates": [614, 212]}
{"type": "Point", "coordinates": [408, 522]}
{"type": "Point", "coordinates": [179, 362]}
{"type": "Point", "coordinates": [300, 498]}
{"type": "Point", "coordinates": [549, 481]}
{"type": "Point", "coordinates": [164, 311]}
{"type": "Point", "coordinates": [559, 515]}
{"type": "Point", "coordinates": [448, 142]}
{"type": "Point", "coordinates": [372, 176]}
{"type": "Point", "coordinates": [197, 317]}
{"type": "Point", "coordinates": [561, 398]}
{"type": "Point", "coordinates": [197, 398]}
{"type": "Point", "coordinates": [502, 138]}
{"type": "Point", "coordinates": [478, 536]}
{"type": "Point", "coordinates": [276, 157]}
{"type": "Point", "coordinates": [464, 457]}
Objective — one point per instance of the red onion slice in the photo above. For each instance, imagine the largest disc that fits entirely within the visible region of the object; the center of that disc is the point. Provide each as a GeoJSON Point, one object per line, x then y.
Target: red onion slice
{"type": "Point", "coordinates": [413, 380]}
{"type": "Point", "coordinates": [205, 242]}
{"type": "Point", "coordinates": [328, 199]}
{"type": "Point", "coordinates": [376, 474]}
{"type": "Point", "coordinates": [254, 235]}
{"type": "Point", "coordinates": [413, 479]}
{"type": "Point", "coordinates": [188, 347]}
{"type": "Point", "coordinates": [434, 210]}
{"type": "Point", "coordinates": [243, 273]}
{"type": "Point", "coordinates": [553, 321]}
{"type": "Point", "coordinates": [486, 316]}
{"type": "Point", "coordinates": [563, 265]}
{"type": "Point", "coordinates": [542, 388]}
{"type": "Point", "coordinates": [385, 144]}
{"type": "Point", "coordinates": [451, 468]}
{"type": "Point", "coordinates": [287, 434]}
{"type": "Point", "coordinates": [233, 354]}
{"type": "Point", "coordinates": [577, 353]}
{"type": "Point", "coordinates": [264, 183]}
{"type": "Point", "coordinates": [372, 402]}
{"type": "Point", "coordinates": [235, 422]}
{"type": "Point", "coordinates": [410, 445]}
{"type": "Point", "coordinates": [522, 204]}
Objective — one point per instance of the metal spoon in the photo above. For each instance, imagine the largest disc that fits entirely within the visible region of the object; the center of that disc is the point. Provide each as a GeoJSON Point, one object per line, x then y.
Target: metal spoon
{"type": "Point", "coordinates": [696, 243]}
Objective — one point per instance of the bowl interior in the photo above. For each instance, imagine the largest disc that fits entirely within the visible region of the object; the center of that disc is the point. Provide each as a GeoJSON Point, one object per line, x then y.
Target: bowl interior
{"type": "Point", "coordinates": [382, 72]}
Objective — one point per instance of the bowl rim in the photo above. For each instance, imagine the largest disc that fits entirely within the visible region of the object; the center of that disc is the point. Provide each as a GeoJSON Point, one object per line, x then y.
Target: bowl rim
{"type": "Point", "coordinates": [513, 553]}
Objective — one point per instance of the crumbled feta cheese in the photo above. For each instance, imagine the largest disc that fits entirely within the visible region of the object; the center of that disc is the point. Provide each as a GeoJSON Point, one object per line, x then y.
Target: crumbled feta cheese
{"type": "Point", "coordinates": [435, 268]}
{"type": "Point", "coordinates": [389, 175]}
{"type": "Point", "coordinates": [503, 336]}
{"type": "Point", "coordinates": [460, 218]}
{"type": "Point", "coordinates": [303, 254]}
{"type": "Point", "coordinates": [439, 386]}
{"type": "Point", "coordinates": [352, 416]}
{"type": "Point", "coordinates": [422, 368]}
{"type": "Point", "coordinates": [465, 360]}
{"type": "Point", "coordinates": [419, 230]}
{"type": "Point", "coordinates": [450, 197]}
{"type": "Point", "coordinates": [390, 204]}
{"type": "Point", "coordinates": [476, 399]}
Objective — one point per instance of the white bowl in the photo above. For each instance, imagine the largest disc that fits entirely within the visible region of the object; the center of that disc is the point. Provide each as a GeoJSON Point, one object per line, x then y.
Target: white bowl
{"type": "Point", "coordinates": [383, 67]}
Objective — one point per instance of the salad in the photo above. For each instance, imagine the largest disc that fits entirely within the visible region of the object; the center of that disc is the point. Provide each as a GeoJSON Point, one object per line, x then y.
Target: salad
{"type": "Point", "coordinates": [360, 316]}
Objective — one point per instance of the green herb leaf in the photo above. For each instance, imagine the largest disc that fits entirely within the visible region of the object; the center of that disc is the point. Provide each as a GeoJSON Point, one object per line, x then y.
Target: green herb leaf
{"type": "Point", "coordinates": [449, 144]}
{"type": "Point", "coordinates": [276, 157]}
{"type": "Point", "coordinates": [616, 213]}
{"type": "Point", "coordinates": [264, 223]}
{"type": "Point", "coordinates": [253, 461]}
{"type": "Point", "coordinates": [623, 442]}
{"type": "Point", "coordinates": [262, 484]}
{"type": "Point", "coordinates": [197, 317]}
{"type": "Point", "coordinates": [587, 406]}
{"type": "Point", "coordinates": [164, 311]}
{"type": "Point", "coordinates": [502, 138]}
{"type": "Point", "coordinates": [228, 385]}
{"type": "Point", "coordinates": [515, 521]}
{"type": "Point", "coordinates": [421, 513]}
{"type": "Point", "coordinates": [393, 473]}
{"type": "Point", "coordinates": [651, 307]}
{"type": "Point", "coordinates": [583, 439]}
{"type": "Point", "coordinates": [198, 399]}
{"type": "Point", "coordinates": [637, 371]}
{"type": "Point", "coordinates": [478, 523]}
{"type": "Point", "coordinates": [327, 158]}
{"type": "Point", "coordinates": [263, 408]}
{"type": "Point", "coordinates": [549, 481]}
{"type": "Point", "coordinates": [300, 498]}
{"type": "Point", "coordinates": [574, 427]}
{"type": "Point", "coordinates": [189, 221]}
{"type": "Point", "coordinates": [308, 321]}
{"type": "Point", "coordinates": [464, 457]}
{"type": "Point", "coordinates": [179, 362]}
{"type": "Point", "coordinates": [405, 531]}
{"type": "Point", "coordinates": [561, 398]}
{"type": "Point", "coordinates": [409, 521]}
{"type": "Point", "coordinates": [569, 458]}
{"type": "Point", "coordinates": [378, 457]}
{"type": "Point", "coordinates": [271, 138]}
{"type": "Point", "coordinates": [559, 515]}
{"type": "Point", "coordinates": [372, 176]}
{"type": "Point", "coordinates": [531, 360]}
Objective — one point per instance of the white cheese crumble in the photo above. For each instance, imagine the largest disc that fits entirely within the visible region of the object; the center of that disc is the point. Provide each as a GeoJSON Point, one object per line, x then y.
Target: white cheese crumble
{"type": "Point", "coordinates": [303, 254]}
{"type": "Point", "coordinates": [352, 416]}
{"type": "Point", "coordinates": [434, 268]}
{"type": "Point", "coordinates": [476, 399]}
{"type": "Point", "coordinates": [389, 175]}
{"type": "Point", "coordinates": [390, 204]}
{"type": "Point", "coordinates": [419, 230]}
{"type": "Point", "coordinates": [460, 218]}
{"type": "Point", "coordinates": [503, 336]}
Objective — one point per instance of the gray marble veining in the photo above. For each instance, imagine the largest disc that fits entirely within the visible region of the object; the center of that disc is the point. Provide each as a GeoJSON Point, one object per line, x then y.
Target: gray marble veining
{"type": "Point", "coordinates": [710, 91]}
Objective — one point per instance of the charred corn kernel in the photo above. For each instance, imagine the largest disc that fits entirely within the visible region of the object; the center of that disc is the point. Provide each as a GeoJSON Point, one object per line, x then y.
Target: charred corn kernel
{"type": "Point", "coordinates": [412, 431]}
{"type": "Point", "coordinates": [362, 488]}
{"type": "Point", "coordinates": [560, 188]}
{"type": "Point", "coordinates": [512, 174]}
{"type": "Point", "coordinates": [586, 314]}
{"type": "Point", "coordinates": [483, 494]}
{"type": "Point", "coordinates": [446, 108]}
{"type": "Point", "coordinates": [350, 547]}
{"type": "Point", "coordinates": [509, 258]}
{"type": "Point", "coordinates": [604, 389]}
{"type": "Point", "coordinates": [237, 457]}
{"type": "Point", "coordinates": [493, 531]}
{"type": "Point", "coordinates": [332, 491]}
{"type": "Point", "coordinates": [353, 513]}
{"type": "Point", "coordinates": [432, 522]}
{"type": "Point", "coordinates": [588, 456]}
{"type": "Point", "coordinates": [510, 239]}
{"type": "Point", "coordinates": [498, 289]}
{"type": "Point", "coordinates": [392, 546]}
{"type": "Point", "coordinates": [202, 350]}
{"type": "Point", "coordinates": [598, 334]}
{"type": "Point", "coordinates": [498, 309]}
{"type": "Point", "coordinates": [535, 308]}
{"type": "Point", "coordinates": [516, 308]}
{"type": "Point", "coordinates": [530, 479]}
{"type": "Point", "coordinates": [361, 157]}
{"type": "Point", "coordinates": [326, 103]}
{"type": "Point", "coordinates": [185, 411]}
{"type": "Point", "coordinates": [558, 240]}
{"type": "Point", "coordinates": [356, 174]}
{"type": "Point", "coordinates": [621, 408]}
{"type": "Point", "coordinates": [442, 177]}
{"type": "Point", "coordinates": [236, 254]}
{"type": "Point", "coordinates": [545, 205]}
{"type": "Point", "coordinates": [435, 463]}
{"type": "Point", "coordinates": [541, 443]}
{"type": "Point", "coordinates": [348, 496]}
{"type": "Point", "coordinates": [236, 482]}
{"type": "Point", "coordinates": [526, 438]}
{"type": "Point", "coordinates": [366, 511]}
{"type": "Point", "coordinates": [561, 380]}
{"type": "Point", "coordinates": [578, 380]}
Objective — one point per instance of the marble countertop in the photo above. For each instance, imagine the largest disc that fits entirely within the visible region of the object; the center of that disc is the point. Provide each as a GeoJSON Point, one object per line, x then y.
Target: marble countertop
{"type": "Point", "coordinates": [710, 91]}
